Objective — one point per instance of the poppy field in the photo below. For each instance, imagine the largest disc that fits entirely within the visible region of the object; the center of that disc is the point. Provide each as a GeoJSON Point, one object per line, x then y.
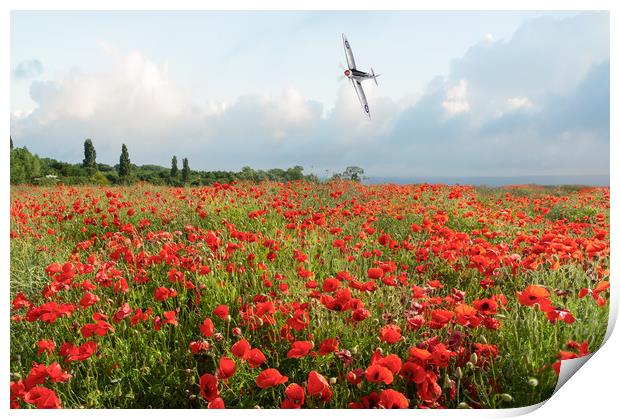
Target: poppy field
{"type": "Point", "coordinates": [302, 295]}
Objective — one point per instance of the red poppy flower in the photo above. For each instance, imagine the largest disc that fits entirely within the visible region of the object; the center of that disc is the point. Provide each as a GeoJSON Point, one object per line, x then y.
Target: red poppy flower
{"type": "Point", "coordinates": [533, 294]}
{"type": "Point", "coordinates": [379, 374]}
{"type": "Point", "coordinates": [221, 311]}
{"type": "Point", "coordinates": [360, 314]}
{"type": "Point", "coordinates": [439, 318]}
{"type": "Point", "coordinates": [392, 399]}
{"type": "Point", "coordinates": [413, 372]}
{"type": "Point", "coordinates": [199, 346]}
{"type": "Point", "coordinates": [375, 273]}
{"type": "Point", "coordinates": [390, 333]}
{"type": "Point", "coordinates": [295, 394]}
{"type": "Point", "coordinates": [121, 286]}
{"type": "Point", "coordinates": [122, 312]}
{"type": "Point", "coordinates": [560, 314]}
{"type": "Point", "coordinates": [240, 349]}
{"type": "Point", "coordinates": [227, 368]}
{"type": "Point", "coordinates": [208, 387]}
{"type": "Point", "coordinates": [56, 374]}
{"type": "Point", "coordinates": [391, 362]}
{"type": "Point", "coordinates": [72, 353]}
{"type": "Point", "coordinates": [299, 321]}
{"type": "Point", "coordinates": [216, 403]}
{"type": "Point", "coordinates": [300, 349]}
{"type": "Point", "coordinates": [486, 350]}
{"type": "Point", "coordinates": [420, 354]}
{"type": "Point", "coordinates": [255, 358]}
{"type": "Point", "coordinates": [37, 375]}
{"type": "Point", "coordinates": [46, 345]}
{"type": "Point", "coordinates": [88, 299]}
{"type": "Point", "coordinates": [441, 355]}
{"type": "Point", "coordinates": [162, 294]}
{"type": "Point", "coordinates": [21, 301]}
{"type": "Point", "coordinates": [140, 316]}
{"type": "Point", "coordinates": [428, 390]}
{"type": "Point", "coordinates": [101, 328]}
{"type": "Point", "coordinates": [207, 328]}
{"type": "Point", "coordinates": [318, 386]}
{"type": "Point", "coordinates": [486, 306]}
{"type": "Point", "coordinates": [170, 317]}
{"type": "Point", "coordinates": [331, 285]}
{"type": "Point", "coordinates": [270, 377]}
{"type": "Point", "coordinates": [328, 346]}
{"type": "Point", "coordinates": [42, 398]}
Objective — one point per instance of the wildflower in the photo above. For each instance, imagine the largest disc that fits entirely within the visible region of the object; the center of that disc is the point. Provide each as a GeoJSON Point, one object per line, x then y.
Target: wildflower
{"type": "Point", "coordinates": [270, 377]}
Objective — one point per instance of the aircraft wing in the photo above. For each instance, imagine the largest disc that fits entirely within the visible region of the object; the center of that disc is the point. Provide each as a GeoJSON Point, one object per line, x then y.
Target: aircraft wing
{"type": "Point", "coordinates": [361, 96]}
{"type": "Point", "coordinates": [348, 53]}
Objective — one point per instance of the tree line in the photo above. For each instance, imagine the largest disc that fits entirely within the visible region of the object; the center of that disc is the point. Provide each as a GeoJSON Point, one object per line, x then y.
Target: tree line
{"type": "Point", "coordinates": [30, 168]}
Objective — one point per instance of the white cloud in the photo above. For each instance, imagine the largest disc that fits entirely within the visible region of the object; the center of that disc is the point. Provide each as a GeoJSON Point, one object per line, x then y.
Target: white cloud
{"type": "Point", "coordinates": [519, 103]}
{"type": "Point", "coordinates": [28, 69]}
{"type": "Point", "coordinates": [20, 113]}
{"type": "Point", "coordinates": [456, 98]}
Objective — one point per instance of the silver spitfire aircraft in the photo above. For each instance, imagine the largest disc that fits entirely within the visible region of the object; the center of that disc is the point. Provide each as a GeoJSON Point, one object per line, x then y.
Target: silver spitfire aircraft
{"type": "Point", "coordinates": [356, 76]}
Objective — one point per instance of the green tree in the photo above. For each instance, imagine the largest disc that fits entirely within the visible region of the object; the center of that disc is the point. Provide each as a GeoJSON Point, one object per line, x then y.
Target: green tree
{"type": "Point", "coordinates": [11, 138]}
{"type": "Point", "coordinates": [353, 173]}
{"type": "Point", "coordinates": [90, 155]}
{"type": "Point", "coordinates": [295, 173]}
{"type": "Point", "coordinates": [124, 168]}
{"type": "Point", "coordinates": [174, 170]}
{"type": "Point", "coordinates": [24, 166]}
{"type": "Point", "coordinates": [185, 171]}
{"type": "Point", "coordinates": [247, 173]}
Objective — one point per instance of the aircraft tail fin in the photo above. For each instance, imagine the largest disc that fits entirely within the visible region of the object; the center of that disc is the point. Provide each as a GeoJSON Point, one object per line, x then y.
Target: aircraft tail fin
{"type": "Point", "coordinates": [374, 76]}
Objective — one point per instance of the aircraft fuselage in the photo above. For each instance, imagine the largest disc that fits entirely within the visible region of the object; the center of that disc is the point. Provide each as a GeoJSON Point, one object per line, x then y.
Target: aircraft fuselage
{"type": "Point", "coordinates": [357, 75]}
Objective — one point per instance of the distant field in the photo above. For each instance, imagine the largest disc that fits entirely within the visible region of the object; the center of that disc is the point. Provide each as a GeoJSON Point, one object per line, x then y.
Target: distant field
{"type": "Point", "coordinates": [307, 295]}
{"type": "Point", "coordinates": [592, 180]}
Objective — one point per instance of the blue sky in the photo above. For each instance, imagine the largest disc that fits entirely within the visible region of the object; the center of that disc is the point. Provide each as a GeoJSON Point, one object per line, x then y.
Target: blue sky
{"type": "Point", "coordinates": [461, 93]}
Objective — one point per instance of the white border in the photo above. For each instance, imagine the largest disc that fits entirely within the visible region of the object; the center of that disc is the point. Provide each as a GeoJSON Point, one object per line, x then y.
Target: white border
{"type": "Point", "coordinates": [594, 390]}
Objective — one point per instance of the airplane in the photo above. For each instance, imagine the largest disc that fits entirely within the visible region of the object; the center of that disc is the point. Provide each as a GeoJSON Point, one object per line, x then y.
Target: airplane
{"type": "Point", "coordinates": [356, 76]}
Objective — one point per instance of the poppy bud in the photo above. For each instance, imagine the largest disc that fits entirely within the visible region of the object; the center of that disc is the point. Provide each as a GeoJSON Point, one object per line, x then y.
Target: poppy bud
{"type": "Point", "coordinates": [354, 350]}
{"type": "Point", "coordinates": [446, 380]}
{"type": "Point", "coordinates": [333, 380]}
{"type": "Point", "coordinates": [257, 407]}
{"type": "Point", "coordinates": [463, 405]}
{"type": "Point", "coordinates": [218, 337]}
{"type": "Point", "coordinates": [469, 365]}
{"type": "Point", "coordinates": [474, 358]}
{"type": "Point", "coordinates": [506, 397]}
{"type": "Point", "coordinates": [192, 396]}
{"type": "Point", "coordinates": [379, 350]}
{"type": "Point", "coordinates": [459, 373]}
{"type": "Point", "coordinates": [483, 339]}
{"type": "Point", "coordinates": [532, 382]}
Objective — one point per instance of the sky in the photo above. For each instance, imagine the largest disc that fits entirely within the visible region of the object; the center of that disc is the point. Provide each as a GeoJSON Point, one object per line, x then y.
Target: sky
{"type": "Point", "coordinates": [461, 94]}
